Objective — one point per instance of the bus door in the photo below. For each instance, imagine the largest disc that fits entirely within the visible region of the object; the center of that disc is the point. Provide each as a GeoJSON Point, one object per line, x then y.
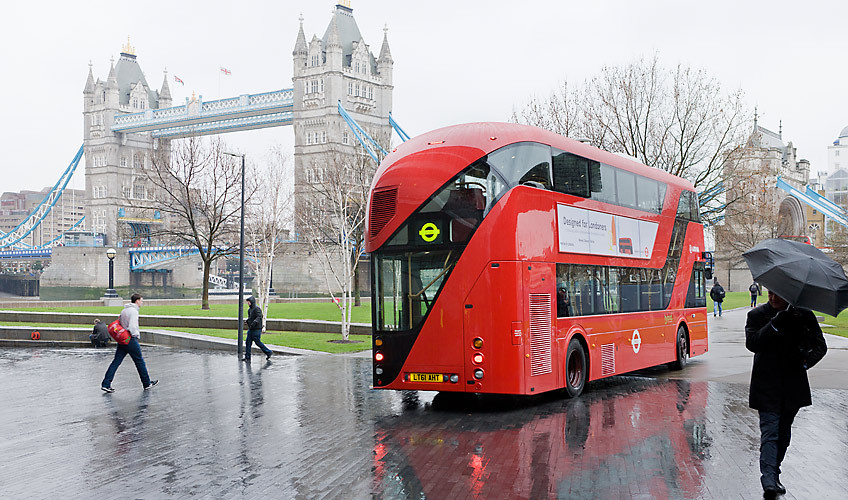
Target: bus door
{"type": "Point", "coordinates": [539, 312]}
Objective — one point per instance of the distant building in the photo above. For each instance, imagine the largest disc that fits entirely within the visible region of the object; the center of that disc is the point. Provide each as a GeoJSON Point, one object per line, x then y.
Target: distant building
{"type": "Point", "coordinates": [837, 153]}
{"type": "Point", "coordinates": [15, 207]}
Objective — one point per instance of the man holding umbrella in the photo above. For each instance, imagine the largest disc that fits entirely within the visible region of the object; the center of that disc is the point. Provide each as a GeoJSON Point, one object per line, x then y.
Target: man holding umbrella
{"type": "Point", "coordinates": [786, 340]}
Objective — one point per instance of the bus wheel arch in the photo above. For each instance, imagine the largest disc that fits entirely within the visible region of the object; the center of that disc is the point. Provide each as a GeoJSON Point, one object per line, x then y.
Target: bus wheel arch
{"type": "Point", "coordinates": [682, 347]}
{"type": "Point", "coordinates": [576, 365]}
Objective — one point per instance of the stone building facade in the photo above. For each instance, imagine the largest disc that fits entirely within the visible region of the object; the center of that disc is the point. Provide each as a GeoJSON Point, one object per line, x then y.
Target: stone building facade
{"type": "Point", "coordinates": [339, 67]}
{"type": "Point", "coordinates": [120, 196]}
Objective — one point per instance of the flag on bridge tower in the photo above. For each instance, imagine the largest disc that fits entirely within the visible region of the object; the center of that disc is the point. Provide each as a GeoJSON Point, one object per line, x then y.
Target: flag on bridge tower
{"type": "Point", "coordinates": [225, 71]}
{"type": "Point", "coordinates": [177, 79]}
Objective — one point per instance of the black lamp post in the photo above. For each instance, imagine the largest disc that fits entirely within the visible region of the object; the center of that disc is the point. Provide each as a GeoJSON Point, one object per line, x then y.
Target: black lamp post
{"type": "Point", "coordinates": [241, 264]}
{"type": "Point", "coordinates": [110, 292]}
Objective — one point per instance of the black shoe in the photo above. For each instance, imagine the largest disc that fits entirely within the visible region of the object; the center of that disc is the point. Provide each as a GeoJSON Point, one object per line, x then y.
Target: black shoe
{"type": "Point", "coordinates": [152, 383]}
{"type": "Point", "coordinates": [780, 488]}
{"type": "Point", "coordinates": [268, 356]}
{"type": "Point", "coordinates": [107, 389]}
{"type": "Point", "coordinates": [770, 492]}
{"type": "Point", "coordinates": [246, 358]}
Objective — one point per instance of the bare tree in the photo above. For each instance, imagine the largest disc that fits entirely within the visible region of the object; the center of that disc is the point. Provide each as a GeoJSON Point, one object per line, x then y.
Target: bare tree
{"type": "Point", "coordinates": [678, 120]}
{"type": "Point", "coordinates": [333, 215]}
{"type": "Point", "coordinates": [198, 190]}
{"type": "Point", "coordinates": [270, 217]}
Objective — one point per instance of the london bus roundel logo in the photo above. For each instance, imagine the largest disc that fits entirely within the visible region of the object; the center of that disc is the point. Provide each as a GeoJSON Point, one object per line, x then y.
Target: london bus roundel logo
{"type": "Point", "coordinates": [429, 232]}
{"type": "Point", "coordinates": [636, 341]}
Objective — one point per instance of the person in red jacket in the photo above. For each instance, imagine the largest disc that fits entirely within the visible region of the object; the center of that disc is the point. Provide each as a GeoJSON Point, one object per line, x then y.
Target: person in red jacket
{"type": "Point", "coordinates": [786, 342]}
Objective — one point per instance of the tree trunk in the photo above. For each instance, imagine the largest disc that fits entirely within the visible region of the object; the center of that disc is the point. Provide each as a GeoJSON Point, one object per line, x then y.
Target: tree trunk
{"type": "Point", "coordinates": [357, 300]}
{"type": "Point", "coordinates": [205, 300]}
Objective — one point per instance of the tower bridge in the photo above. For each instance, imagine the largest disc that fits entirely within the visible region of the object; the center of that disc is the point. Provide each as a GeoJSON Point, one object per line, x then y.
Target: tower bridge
{"type": "Point", "coordinates": [126, 120]}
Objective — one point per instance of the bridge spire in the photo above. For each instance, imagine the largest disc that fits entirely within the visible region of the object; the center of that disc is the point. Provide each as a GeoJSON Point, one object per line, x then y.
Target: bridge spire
{"type": "Point", "coordinates": [385, 53]}
{"type": "Point", "coordinates": [89, 82]}
{"type": "Point", "coordinates": [165, 92]}
{"type": "Point", "coordinates": [300, 48]}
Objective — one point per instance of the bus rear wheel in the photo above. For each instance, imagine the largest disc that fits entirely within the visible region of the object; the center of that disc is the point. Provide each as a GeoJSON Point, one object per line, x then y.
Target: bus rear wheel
{"type": "Point", "coordinates": [576, 368]}
{"type": "Point", "coordinates": [682, 349]}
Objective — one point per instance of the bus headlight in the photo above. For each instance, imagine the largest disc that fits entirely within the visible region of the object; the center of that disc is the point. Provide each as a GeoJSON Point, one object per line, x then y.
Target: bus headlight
{"type": "Point", "coordinates": [478, 373]}
{"type": "Point", "coordinates": [454, 378]}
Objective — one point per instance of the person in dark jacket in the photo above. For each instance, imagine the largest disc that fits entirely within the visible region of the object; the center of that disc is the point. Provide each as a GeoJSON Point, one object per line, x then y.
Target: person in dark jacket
{"type": "Point", "coordinates": [717, 294]}
{"type": "Point", "coordinates": [786, 342]}
{"type": "Point", "coordinates": [254, 329]}
{"type": "Point", "coordinates": [100, 335]}
{"type": "Point", "coordinates": [754, 290]}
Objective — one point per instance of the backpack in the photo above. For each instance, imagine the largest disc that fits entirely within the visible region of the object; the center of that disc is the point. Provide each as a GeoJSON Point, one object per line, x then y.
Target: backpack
{"type": "Point", "coordinates": [753, 289]}
{"type": "Point", "coordinates": [119, 333]}
{"type": "Point", "coordinates": [720, 293]}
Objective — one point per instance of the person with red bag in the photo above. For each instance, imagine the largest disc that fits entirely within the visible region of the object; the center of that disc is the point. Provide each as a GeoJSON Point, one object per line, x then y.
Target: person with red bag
{"type": "Point", "coordinates": [129, 320]}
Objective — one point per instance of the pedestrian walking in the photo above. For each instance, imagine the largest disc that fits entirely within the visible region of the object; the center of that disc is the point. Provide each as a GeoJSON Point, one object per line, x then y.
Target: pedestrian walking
{"type": "Point", "coordinates": [717, 294]}
{"type": "Point", "coordinates": [129, 320]}
{"type": "Point", "coordinates": [254, 329]}
{"type": "Point", "coordinates": [100, 335]}
{"type": "Point", "coordinates": [754, 289]}
{"type": "Point", "coordinates": [786, 342]}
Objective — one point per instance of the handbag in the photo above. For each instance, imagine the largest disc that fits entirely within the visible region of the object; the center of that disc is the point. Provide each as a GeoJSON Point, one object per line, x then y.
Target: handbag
{"type": "Point", "coordinates": [119, 333]}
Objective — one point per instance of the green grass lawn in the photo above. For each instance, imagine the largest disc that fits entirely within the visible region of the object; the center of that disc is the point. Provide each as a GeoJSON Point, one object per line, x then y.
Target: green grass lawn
{"type": "Point", "coordinates": [326, 311]}
{"type": "Point", "coordinates": [301, 340]}
{"type": "Point", "coordinates": [743, 299]}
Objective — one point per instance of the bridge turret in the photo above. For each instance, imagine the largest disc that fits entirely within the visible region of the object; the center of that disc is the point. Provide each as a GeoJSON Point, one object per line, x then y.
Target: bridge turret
{"type": "Point", "coordinates": [89, 83]}
{"type": "Point", "coordinates": [112, 100]}
{"type": "Point", "coordinates": [385, 63]}
{"type": "Point", "coordinates": [165, 93]}
{"type": "Point", "coordinates": [301, 51]}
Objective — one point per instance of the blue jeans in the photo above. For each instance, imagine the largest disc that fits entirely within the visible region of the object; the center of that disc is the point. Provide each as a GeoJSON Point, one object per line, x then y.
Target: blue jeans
{"type": "Point", "coordinates": [775, 433]}
{"type": "Point", "coordinates": [134, 350]}
{"type": "Point", "coordinates": [716, 308]}
{"type": "Point", "coordinates": [753, 300]}
{"type": "Point", "coordinates": [254, 336]}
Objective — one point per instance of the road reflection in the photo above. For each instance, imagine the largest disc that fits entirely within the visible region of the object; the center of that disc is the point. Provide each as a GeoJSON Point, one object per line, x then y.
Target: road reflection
{"type": "Point", "coordinates": [628, 437]}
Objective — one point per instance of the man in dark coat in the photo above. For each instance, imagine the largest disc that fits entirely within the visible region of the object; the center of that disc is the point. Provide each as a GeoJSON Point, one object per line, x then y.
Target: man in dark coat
{"type": "Point", "coordinates": [786, 342]}
{"type": "Point", "coordinates": [717, 294]}
{"type": "Point", "coordinates": [100, 335]}
{"type": "Point", "coordinates": [254, 329]}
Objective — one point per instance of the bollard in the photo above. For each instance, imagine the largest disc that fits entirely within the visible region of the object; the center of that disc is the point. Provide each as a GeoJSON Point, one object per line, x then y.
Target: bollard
{"type": "Point", "coordinates": [36, 335]}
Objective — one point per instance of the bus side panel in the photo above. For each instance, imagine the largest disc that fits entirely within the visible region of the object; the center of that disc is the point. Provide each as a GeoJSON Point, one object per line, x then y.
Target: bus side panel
{"type": "Point", "coordinates": [495, 316]}
{"type": "Point", "coordinates": [540, 350]}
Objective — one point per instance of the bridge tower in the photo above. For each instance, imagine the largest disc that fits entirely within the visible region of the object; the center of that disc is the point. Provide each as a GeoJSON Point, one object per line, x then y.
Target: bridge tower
{"type": "Point", "coordinates": [116, 184]}
{"type": "Point", "coordinates": [338, 67]}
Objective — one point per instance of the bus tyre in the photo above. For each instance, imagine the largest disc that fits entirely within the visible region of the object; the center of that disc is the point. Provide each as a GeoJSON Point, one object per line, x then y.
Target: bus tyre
{"type": "Point", "coordinates": [576, 368]}
{"type": "Point", "coordinates": [682, 350]}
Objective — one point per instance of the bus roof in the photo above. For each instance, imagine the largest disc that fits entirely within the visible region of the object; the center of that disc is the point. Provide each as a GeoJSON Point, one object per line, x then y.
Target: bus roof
{"type": "Point", "coordinates": [481, 138]}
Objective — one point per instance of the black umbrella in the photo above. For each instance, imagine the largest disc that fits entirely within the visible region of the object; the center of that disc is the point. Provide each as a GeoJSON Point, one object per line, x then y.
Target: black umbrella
{"type": "Point", "coordinates": [801, 274]}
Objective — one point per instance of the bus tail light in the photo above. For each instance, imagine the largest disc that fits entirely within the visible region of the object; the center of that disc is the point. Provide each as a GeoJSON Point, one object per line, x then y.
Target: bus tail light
{"type": "Point", "coordinates": [477, 343]}
{"type": "Point", "coordinates": [477, 358]}
{"type": "Point", "coordinates": [378, 342]}
{"type": "Point", "coordinates": [478, 373]}
{"type": "Point", "coordinates": [378, 356]}
{"type": "Point", "coordinates": [378, 370]}
{"type": "Point", "coordinates": [454, 378]}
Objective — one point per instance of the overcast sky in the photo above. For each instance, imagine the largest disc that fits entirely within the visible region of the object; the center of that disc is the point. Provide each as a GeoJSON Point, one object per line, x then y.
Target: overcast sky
{"type": "Point", "coordinates": [455, 61]}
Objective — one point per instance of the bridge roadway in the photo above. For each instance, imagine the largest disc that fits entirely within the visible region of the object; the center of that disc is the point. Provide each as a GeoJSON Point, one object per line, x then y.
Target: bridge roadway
{"type": "Point", "coordinates": [310, 427]}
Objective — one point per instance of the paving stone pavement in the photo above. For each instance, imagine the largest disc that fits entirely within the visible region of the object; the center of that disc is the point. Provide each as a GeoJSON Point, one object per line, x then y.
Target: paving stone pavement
{"type": "Point", "coordinates": [309, 427]}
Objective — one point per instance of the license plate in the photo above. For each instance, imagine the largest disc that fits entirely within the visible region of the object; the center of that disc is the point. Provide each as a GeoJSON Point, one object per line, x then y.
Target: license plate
{"type": "Point", "coordinates": [426, 377]}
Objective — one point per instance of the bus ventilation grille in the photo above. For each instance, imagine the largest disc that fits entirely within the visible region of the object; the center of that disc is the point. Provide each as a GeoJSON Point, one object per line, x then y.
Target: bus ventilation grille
{"type": "Point", "coordinates": [383, 204]}
{"type": "Point", "coordinates": [607, 359]}
{"type": "Point", "coordinates": [540, 334]}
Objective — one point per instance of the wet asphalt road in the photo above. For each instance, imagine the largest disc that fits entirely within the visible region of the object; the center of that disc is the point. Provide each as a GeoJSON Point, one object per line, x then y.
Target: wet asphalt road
{"type": "Point", "coordinates": [310, 427]}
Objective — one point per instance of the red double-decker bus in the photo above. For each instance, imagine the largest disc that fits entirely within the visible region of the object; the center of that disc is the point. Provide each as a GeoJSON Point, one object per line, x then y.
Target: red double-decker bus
{"type": "Point", "coordinates": [508, 259]}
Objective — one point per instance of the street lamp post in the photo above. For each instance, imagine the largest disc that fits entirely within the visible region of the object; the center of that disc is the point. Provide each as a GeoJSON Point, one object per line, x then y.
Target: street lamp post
{"type": "Point", "coordinates": [241, 264]}
{"type": "Point", "coordinates": [110, 292]}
